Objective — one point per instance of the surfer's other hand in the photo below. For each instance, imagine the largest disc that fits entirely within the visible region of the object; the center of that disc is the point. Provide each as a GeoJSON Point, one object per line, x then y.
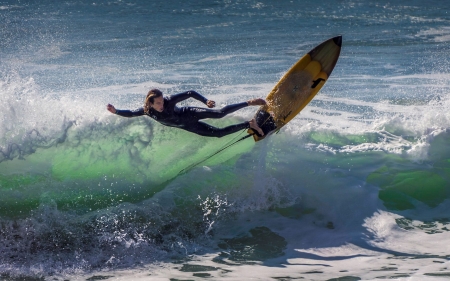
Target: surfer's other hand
{"type": "Point", "coordinates": [111, 108]}
{"type": "Point", "coordinates": [256, 102]}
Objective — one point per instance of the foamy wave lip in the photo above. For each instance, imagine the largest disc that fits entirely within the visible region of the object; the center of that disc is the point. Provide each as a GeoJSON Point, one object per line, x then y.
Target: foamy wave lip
{"type": "Point", "coordinates": [31, 118]}
{"type": "Point", "coordinates": [416, 151]}
{"type": "Point", "coordinates": [393, 128]}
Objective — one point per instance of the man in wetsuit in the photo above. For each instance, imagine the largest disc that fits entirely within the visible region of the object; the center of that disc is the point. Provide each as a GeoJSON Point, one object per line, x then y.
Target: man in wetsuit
{"type": "Point", "coordinates": [164, 110]}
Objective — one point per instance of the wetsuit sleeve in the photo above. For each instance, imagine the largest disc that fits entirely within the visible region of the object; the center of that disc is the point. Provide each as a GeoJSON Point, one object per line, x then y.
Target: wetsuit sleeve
{"type": "Point", "coordinates": [189, 94]}
{"type": "Point", "coordinates": [130, 113]}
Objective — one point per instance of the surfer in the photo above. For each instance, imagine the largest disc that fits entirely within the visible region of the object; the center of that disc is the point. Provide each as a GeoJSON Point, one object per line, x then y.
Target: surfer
{"type": "Point", "coordinates": [164, 110]}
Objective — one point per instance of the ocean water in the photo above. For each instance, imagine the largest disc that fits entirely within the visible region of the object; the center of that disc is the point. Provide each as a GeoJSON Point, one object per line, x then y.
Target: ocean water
{"type": "Point", "coordinates": [356, 187]}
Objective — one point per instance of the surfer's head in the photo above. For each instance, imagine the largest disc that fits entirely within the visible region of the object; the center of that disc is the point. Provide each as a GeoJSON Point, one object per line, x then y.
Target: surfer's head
{"type": "Point", "coordinates": [154, 100]}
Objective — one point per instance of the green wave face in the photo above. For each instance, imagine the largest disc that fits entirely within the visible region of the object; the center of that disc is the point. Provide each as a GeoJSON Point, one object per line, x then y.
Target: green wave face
{"type": "Point", "coordinates": [400, 189]}
{"type": "Point", "coordinates": [405, 185]}
{"type": "Point", "coordinates": [103, 166]}
{"type": "Point", "coordinates": [93, 169]}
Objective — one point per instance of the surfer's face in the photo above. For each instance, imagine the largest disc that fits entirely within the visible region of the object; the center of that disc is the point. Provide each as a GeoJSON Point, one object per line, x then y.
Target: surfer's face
{"type": "Point", "coordinates": [158, 104]}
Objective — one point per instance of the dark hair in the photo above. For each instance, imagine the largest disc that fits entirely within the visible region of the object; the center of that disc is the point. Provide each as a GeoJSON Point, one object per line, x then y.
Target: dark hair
{"type": "Point", "coordinates": [152, 94]}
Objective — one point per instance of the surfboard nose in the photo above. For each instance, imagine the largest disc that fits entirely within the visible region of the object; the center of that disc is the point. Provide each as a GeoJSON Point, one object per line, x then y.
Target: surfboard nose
{"type": "Point", "coordinates": [338, 40]}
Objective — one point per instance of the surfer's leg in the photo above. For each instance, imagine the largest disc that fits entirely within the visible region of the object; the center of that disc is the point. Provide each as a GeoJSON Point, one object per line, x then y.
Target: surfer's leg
{"type": "Point", "coordinates": [203, 113]}
{"type": "Point", "coordinates": [203, 129]}
{"type": "Point", "coordinates": [206, 130]}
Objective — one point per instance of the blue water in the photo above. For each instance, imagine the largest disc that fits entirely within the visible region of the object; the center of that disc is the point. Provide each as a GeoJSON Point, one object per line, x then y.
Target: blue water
{"type": "Point", "coordinates": [356, 186]}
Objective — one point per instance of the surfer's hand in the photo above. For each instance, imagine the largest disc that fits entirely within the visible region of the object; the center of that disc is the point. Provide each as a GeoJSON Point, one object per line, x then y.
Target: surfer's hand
{"type": "Point", "coordinates": [210, 103]}
{"type": "Point", "coordinates": [256, 127]}
{"type": "Point", "coordinates": [111, 108]}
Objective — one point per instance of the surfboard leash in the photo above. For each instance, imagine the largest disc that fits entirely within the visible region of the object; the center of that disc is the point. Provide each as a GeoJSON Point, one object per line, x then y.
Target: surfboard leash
{"type": "Point", "coordinates": [214, 154]}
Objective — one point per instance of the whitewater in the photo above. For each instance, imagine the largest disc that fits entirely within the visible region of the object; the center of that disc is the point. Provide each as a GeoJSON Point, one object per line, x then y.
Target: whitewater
{"type": "Point", "coordinates": [356, 187]}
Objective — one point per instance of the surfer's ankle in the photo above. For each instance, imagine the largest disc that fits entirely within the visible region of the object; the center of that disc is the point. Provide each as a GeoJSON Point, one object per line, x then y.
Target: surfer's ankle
{"type": "Point", "coordinates": [256, 102]}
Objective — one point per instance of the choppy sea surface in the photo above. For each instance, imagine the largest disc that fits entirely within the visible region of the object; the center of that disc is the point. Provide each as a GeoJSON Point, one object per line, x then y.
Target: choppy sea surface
{"type": "Point", "coordinates": [356, 187]}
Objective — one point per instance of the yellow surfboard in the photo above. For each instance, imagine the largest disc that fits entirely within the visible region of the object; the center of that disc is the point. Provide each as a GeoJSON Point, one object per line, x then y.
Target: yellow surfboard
{"type": "Point", "coordinates": [297, 87]}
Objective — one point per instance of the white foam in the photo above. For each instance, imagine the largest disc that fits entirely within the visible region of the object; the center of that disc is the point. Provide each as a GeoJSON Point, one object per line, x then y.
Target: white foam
{"type": "Point", "coordinates": [437, 34]}
{"type": "Point", "coordinates": [388, 255]}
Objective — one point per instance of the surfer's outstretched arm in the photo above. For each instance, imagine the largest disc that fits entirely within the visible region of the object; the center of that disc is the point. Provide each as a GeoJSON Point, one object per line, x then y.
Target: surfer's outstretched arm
{"type": "Point", "coordinates": [192, 94]}
{"type": "Point", "coordinates": [125, 113]}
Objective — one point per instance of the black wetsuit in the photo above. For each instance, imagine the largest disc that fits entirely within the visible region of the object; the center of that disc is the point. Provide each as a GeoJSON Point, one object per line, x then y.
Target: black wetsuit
{"type": "Point", "coordinates": [187, 118]}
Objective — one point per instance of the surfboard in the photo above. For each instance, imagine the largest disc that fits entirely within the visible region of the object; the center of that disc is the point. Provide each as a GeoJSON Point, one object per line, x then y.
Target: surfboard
{"type": "Point", "coordinates": [292, 93]}
{"type": "Point", "coordinates": [297, 87]}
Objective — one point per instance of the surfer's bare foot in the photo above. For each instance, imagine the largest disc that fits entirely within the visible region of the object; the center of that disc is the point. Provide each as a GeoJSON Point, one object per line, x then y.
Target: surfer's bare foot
{"type": "Point", "coordinates": [255, 126]}
{"type": "Point", "coordinates": [256, 102]}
